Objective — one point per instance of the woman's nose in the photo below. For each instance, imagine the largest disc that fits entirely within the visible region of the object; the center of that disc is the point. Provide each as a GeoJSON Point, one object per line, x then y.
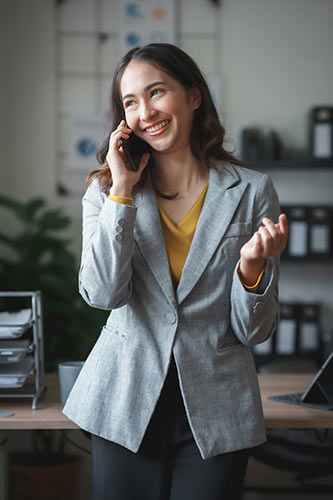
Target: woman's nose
{"type": "Point", "coordinates": [146, 112]}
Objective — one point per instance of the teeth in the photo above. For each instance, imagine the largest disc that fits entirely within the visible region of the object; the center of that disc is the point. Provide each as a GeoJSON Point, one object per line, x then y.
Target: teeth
{"type": "Point", "coordinates": [157, 127]}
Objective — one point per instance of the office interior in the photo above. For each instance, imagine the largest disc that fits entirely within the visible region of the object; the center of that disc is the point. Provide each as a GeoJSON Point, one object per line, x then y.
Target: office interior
{"type": "Point", "coordinates": [273, 61]}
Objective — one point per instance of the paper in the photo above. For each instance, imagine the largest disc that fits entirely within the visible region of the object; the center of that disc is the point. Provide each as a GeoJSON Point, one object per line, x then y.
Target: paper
{"type": "Point", "coordinates": [86, 133]}
{"type": "Point", "coordinates": [286, 336]}
{"type": "Point", "coordinates": [309, 340]}
{"type": "Point", "coordinates": [146, 21]}
{"type": "Point", "coordinates": [13, 324]}
{"type": "Point", "coordinates": [322, 141]}
{"type": "Point", "coordinates": [319, 241]}
{"type": "Point", "coordinates": [298, 238]}
{"type": "Point", "coordinates": [264, 347]}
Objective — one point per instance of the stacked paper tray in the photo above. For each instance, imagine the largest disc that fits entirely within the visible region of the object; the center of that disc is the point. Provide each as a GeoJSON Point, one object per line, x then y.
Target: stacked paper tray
{"type": "Point", "coordinates": [13, 375]}
{"type": "Point", "coordinates": [14, 324]}
{"type": "Point", "coordinates": [14, 351]}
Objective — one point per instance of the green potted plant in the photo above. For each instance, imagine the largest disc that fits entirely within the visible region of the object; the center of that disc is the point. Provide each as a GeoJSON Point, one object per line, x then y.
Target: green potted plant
{"type": "Point", "coordinates": [38, 257]}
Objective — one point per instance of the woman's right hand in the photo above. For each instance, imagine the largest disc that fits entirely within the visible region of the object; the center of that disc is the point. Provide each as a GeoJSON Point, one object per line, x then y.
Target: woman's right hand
{"type": "Point", "coordinates": [123, 179]}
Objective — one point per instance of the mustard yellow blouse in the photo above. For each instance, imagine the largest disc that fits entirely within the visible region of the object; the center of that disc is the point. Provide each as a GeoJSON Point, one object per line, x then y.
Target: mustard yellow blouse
{"type": "Point", "coordinates": [178, 238]}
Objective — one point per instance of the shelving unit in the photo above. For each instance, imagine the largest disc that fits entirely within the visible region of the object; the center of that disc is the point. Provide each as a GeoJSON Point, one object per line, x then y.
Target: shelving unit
{"type": "Point", "coordinates": [306, 164]}
{"type": "Point", "coordinates": [304, 278]}
{"type": "Point", "coordinates": [308, 167]}
{"type": "Point", "coordinates": [33, 364]}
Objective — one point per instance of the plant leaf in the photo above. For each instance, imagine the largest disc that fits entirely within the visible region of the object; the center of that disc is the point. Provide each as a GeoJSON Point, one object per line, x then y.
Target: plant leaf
{"type": "Point", "coordinates": [34, 205]}
{"type": "Point", "coordinates": [53, 220]}
{"type": "Point", "coordinates": [15, 206]}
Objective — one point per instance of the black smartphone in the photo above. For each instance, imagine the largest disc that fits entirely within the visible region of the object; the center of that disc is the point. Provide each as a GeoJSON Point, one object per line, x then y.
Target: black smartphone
{"type": "Point", "coordinates": [126, 147]}
{"type": "Point", "coordinates": [134, 148]}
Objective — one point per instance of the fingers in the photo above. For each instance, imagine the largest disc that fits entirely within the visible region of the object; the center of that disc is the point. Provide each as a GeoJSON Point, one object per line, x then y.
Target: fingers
{"type": "Point", "coordinates": [274, 236]}
{"type": "Point", "coordinates": [143, 162]}
{"type": "Point", "coordinates": [283, 224]}
{"type": "Point", "coordinates": [267, 241]}
{"type": "Point", "coordinates": [121, 132]}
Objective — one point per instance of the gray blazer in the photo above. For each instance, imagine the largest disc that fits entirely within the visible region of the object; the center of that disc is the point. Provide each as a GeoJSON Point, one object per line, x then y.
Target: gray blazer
{"type": "Point", "coordinates": [209, 323]}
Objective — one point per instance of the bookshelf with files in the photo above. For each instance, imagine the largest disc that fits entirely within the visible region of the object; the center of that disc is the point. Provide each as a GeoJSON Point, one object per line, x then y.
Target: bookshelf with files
{"type": "Point", "coordinates": [297, 341]}
{"type": "Point", "coordinates": [21, 346]}
{"type": "Point", "coordinates": [302, 337]}
{"type": "Point", "coordinates": [310, 223]}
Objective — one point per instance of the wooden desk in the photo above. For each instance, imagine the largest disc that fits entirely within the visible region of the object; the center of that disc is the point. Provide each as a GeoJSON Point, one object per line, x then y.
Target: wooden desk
{"type": "Point", "coordinates": [277, 415]}
{"type": "Point", "coordinates": [283, 415]}
{"type": "Point", "coordinates": [49, 413]}
{"type": "Point", "coordinates": [47, 416]}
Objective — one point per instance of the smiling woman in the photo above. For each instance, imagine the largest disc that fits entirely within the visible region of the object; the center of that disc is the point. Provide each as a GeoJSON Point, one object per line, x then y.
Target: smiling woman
{"type": "Point", "coordinates": [184, 252]}
{"type": "Point", "coordinates": [207, 133]}
{"type": "Point", "coordinates": [158, 108]}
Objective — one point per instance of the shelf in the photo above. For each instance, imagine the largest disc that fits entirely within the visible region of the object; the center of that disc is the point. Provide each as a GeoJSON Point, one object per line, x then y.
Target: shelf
{"type": "Point", "coordinates": [15, 372]}
{"type": "Point", "coordinates": [290, 165]}
{"type": "Point", "coordinates": [307, 260]}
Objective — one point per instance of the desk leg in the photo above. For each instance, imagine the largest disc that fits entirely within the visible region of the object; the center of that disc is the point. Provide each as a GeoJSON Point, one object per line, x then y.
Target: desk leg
{"type": "Point", "coordinates": [3, 467]}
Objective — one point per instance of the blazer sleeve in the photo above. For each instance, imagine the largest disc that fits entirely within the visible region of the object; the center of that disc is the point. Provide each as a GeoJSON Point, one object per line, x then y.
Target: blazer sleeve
{"type": "Point", "coordinates": [107, 246]}
{"type": "Point", "coordinates": [254, 316]}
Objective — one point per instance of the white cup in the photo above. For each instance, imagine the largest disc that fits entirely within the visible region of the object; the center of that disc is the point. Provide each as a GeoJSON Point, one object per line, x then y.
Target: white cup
{"type": "Point", "coordinates": [68, 373]}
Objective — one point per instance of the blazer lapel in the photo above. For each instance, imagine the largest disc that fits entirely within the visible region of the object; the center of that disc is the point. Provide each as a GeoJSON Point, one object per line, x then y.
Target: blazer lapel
{"type": "Point", "coordinates": [149, 237]}
{"type": "Point", "coordinates": [222, 199]}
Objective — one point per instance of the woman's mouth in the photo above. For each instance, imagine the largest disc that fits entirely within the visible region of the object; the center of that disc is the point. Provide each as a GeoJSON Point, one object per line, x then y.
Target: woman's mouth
{"type": "Point", "coordinates": [157, 128]}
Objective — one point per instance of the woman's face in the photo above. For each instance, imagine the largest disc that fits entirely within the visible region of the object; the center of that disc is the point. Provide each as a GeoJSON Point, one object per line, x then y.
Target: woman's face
{"type": "Point", "coordinates": [157, 107]}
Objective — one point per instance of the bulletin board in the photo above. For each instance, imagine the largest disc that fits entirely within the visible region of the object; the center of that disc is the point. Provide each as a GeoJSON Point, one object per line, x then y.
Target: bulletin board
{"type": "Point", "coordinates": [91, 36]}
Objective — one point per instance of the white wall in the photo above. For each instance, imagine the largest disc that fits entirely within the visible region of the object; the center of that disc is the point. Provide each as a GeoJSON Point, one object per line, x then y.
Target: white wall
{"type": "Point", "coordinates": [277, 62]}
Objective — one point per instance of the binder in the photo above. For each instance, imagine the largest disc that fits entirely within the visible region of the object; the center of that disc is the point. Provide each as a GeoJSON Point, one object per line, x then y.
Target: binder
{"type": "Point", "coordinates": [251, 145]}
{"type": "Point", "coordinates": [320, 232]}
{"type": "Point", "coordinates": [298, 245]}
{"type": "Point", "coordinates": [285, 337]}
{"type": "Point", "coordinates": [309, 331]}
{"type": "Point", "coordinates": [264, 348]}
{"type": "Point", "coordinates": [321, 133]}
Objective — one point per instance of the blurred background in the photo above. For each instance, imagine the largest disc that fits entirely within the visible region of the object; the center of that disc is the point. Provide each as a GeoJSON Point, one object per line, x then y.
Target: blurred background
{"type": "Point", "coordinates": [270, 67]}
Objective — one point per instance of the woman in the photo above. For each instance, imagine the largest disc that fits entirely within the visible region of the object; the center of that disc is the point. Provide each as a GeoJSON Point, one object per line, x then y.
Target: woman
{"type": "Point", "coordinates": [184, 252]}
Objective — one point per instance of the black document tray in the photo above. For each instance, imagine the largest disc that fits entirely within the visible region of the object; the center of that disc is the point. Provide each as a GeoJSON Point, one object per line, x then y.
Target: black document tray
{"type": "Point", "coordinates": [319, 394]}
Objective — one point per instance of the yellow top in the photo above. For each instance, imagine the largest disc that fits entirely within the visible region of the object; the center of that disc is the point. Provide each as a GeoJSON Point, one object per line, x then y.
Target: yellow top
{"type": "Point", "coordinates": [178, 238]}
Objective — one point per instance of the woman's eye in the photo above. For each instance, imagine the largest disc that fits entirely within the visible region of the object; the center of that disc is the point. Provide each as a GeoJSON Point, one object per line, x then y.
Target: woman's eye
{"type": "Point", "coordinates": [129, 103]}
{"type": "Point", "coordinates": [156, 91]}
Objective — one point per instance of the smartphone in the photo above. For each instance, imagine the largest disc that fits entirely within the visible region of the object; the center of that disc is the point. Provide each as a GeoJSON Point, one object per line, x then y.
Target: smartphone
{"type": "Point", "coordinates": [126, 148]}
{"type": "Point", "coordinates": [134, 148]}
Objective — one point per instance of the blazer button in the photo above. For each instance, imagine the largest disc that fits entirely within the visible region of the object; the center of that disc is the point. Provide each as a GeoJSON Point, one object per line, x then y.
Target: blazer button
{"type": "Point", "coordinates": [119, 229]}
{"type": "Point", "coordinates": [171, 318]}
{"type": "Point", "coordinates": [121, 222]}
{"type": "Point", "coordinates": [119, 237]}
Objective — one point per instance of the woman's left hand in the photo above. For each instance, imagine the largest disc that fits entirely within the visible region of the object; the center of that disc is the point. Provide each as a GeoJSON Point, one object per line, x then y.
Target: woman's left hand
{"type": "Point", "coordinates": [268, 241]}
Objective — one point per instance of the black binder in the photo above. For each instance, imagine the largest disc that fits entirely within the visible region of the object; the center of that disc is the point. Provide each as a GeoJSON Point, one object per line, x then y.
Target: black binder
{"type": "Point", "coordinates": [298, 242]}
{"type": "Point", "coordinates": [320, 228]}
{"type": "Point", "coordinates": [319, 394]}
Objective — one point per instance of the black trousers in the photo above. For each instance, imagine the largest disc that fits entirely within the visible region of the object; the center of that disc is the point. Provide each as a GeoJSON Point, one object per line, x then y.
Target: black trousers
{"type": "Point", "coordinates": [168, 464]}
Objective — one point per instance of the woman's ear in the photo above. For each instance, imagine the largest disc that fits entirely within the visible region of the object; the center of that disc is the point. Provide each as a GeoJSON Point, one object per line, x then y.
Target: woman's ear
{"type": "Point", "coordinates": [196, 98]}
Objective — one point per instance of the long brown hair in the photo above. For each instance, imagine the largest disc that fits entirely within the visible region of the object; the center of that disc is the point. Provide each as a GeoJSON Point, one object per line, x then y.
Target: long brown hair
{"type": "Point", "coordinates": [207, 136]}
